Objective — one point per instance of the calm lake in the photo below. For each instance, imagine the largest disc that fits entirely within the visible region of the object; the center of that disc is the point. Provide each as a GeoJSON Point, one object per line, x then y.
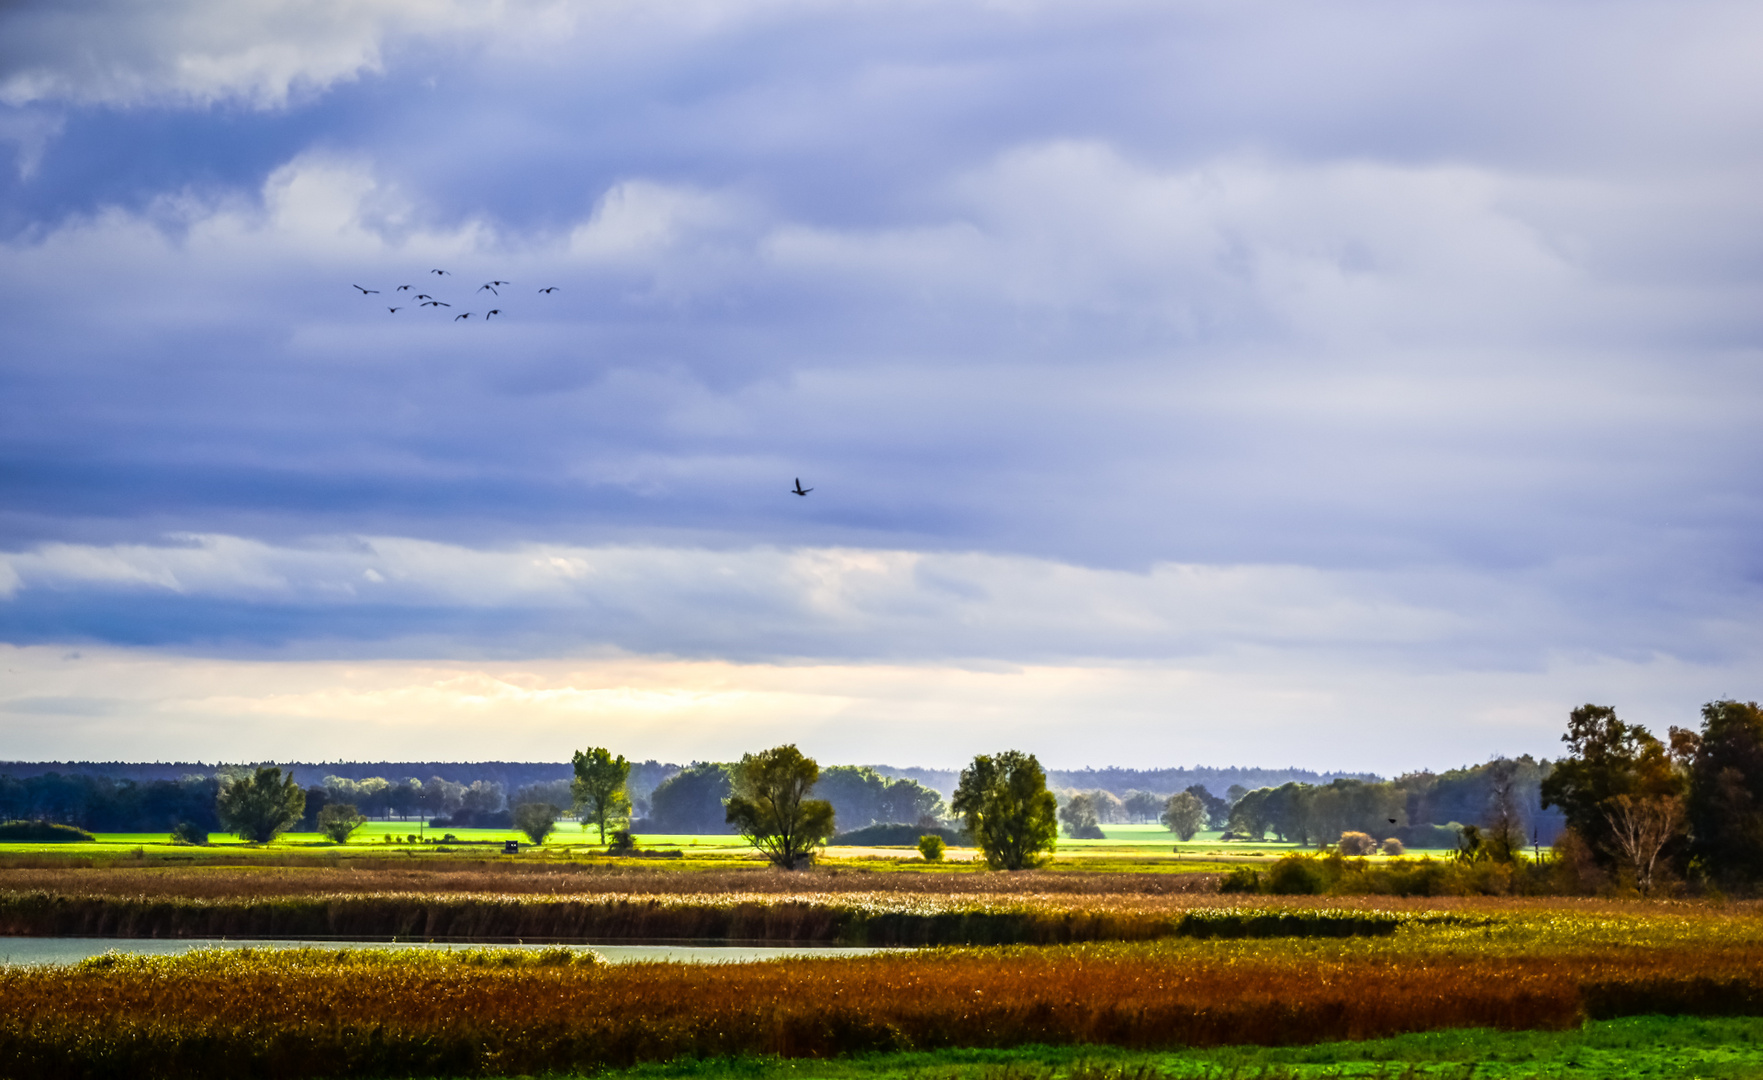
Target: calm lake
{"type": "Point", "coordinates": [68, 950]}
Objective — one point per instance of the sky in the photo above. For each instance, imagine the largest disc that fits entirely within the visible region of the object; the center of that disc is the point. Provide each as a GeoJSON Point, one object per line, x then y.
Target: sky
{"type": "Point", "coordinates": [1351, 386]}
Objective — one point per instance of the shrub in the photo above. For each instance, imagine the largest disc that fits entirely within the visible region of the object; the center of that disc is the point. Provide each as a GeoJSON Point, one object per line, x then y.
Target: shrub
{"type": "Point", "coordinates": [896, 834]}
{"type": "Point", "coordinates": [1357, 844]}
{"type": "Point", "coordinates": [1295, 875]}
{"type": "Point", "coordinates": [622, 842]}
{"type": "Point", "coordinates": [42, 832]}
{"type": "Point", "coordinates": [931, 847]}
{"type": "Point", "coordinates": [337, 820]}
{"type": "Point", "coordinates": [1241, 880]}
{"type": "Point", "coordinates": [536, 820]}
{"type": "Point", "coordinates": [188, 832]}
{"type": "Point", "coordinates": [1394, 847]}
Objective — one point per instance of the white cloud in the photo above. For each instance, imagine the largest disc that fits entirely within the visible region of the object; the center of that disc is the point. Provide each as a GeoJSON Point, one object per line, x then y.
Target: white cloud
{"type": "Point", "coordinates": [832, 603]}
{"type": "Point", "coordinates": [1258, 708]}
{"type": "Point", "coordinates": [197, 52]}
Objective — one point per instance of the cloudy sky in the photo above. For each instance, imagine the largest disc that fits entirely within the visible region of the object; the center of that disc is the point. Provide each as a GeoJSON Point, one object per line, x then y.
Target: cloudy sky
{"type": "Point", "coordinates": [1358, 385]}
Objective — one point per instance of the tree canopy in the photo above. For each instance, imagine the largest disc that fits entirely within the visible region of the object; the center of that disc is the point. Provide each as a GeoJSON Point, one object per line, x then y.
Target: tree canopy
{"type": "Point", "coordinates": [692, 800]}
{"type": "Point", "coordinates": [262, 806]}
{"type": "Point", "coordinates": [1183, 814]}
{"type": "Point", "coordinates": [536, 820]}
{"type": "Point", "coordinates": [1607, 759]}
{"type": "Point", "coordinates": [1726, 789]}
{"type": "Point", "coordinates": [1008, 810]}
{"type": "Point", "coordinates": [771, 809]}
{"type": "Point", "coordinates": [599, 788]}
{"type": "Point", "coordinates": [338, 820]}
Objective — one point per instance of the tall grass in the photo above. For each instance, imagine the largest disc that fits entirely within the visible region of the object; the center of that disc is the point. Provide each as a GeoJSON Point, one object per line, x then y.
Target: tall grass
{"type": "Point", "coordinates": [305, 1013]}
{"type": "Point", "coordinates": [859, 919]}
{"type": "Point", "coordinates": [270, 876]}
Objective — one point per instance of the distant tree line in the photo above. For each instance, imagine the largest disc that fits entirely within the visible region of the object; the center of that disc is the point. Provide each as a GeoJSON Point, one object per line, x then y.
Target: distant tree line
{"type": "Point", "coordinates": [104, 804]}
{"type": "Point", "coordinates": [1621, 807]}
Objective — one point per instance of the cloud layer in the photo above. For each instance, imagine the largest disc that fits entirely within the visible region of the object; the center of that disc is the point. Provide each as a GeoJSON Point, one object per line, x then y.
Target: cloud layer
{"type": "Point", "coordinates": [1390, 341]}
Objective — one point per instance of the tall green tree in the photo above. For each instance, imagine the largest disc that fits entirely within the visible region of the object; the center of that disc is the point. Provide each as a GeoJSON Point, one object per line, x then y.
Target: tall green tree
{"type": "Point", "coordinates": [337, 820]}
{"type": "Point", "coordinates": [1607, 761]}
{"type": "Point", "coordinates": [1183, 814]}
{"type": "Point", "coordinates": [1726, 790]}
{"type": "Point", "coordinates": [536, 820]}
{"type": "Point", "coordinates": [599, 788]}
{"type": "Point", "coordinates": [771, 809]}
{"type": "Point", "coordinates": [262, 806]}
{"type": "Point", "coordinates": [1080, 818]}
{"type": "Point", "coordinates": [1008, 810]}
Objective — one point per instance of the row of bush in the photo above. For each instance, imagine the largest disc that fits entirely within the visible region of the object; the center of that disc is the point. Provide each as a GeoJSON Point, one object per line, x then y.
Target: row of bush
{"type": "Point", "coordinates": [42, 832]}
{"type": "Point", "coordinates": [1336, 874]}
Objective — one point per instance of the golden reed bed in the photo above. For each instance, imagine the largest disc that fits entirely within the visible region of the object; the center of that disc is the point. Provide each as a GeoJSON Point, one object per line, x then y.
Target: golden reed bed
{"type": "Point", "coordinates": [309, 1012]}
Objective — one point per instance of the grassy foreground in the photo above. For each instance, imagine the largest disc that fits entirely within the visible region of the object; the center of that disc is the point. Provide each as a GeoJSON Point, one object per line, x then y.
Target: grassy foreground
{"type": "Point", "coordinates": [1709, 1047]}
{"type": "Point", "coordinates": [299, 1013]}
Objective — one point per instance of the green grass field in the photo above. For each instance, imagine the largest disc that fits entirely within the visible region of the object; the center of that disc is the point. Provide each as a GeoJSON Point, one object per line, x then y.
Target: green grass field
{"type": "Point", "coordinates": [1125, 848]}
{"type": "Point", "coordinates": [1644, 1046]}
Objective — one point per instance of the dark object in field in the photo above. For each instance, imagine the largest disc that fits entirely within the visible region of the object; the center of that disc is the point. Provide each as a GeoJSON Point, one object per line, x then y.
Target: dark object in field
{"type": "Point", "coordinates": [511, 847]}
{"type": "Point", "coordinates": [799, 489]}
{"type": "Point", "coordinates": [42, 832]}
{"type": "Point", "coordinates": [623, 843]}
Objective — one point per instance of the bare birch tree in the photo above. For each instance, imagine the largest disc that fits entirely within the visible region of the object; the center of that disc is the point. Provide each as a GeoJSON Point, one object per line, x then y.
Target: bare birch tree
{"type": "Point", "coordinates": [1639, 830]}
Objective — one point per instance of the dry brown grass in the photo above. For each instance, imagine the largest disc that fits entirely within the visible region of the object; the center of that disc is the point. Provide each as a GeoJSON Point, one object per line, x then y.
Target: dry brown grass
{"type": "Point", "coordinates": [301, 1014]}
{"type": "Point", "coordinates": [560, 877]}
{"type": "Point", "coordinates": [562, 900]}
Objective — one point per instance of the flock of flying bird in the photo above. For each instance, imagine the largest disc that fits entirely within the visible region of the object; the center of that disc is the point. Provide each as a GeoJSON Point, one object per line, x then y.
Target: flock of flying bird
{"type": "Point", "coordinates": [424, 300]}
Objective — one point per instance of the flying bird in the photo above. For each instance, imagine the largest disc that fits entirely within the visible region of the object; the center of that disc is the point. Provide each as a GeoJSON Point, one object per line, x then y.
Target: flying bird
{"type": "Point", "coordinates": [424, 296]}
{"type": "Point", "coordinates": [492, 311]}
{"type": "Point", "coordinates": [498, 283]}
{"type": "Point", "coordinates": [366, 292]}
{"type": "Point", "coordinates": [552, 289]}
{"type": "Point", "coordinates": [490, 286]}
{"type": "Point", "coordinates": [401, 288]}
{"type": "Point", "coordinates": [436, 303]}
{"type": "Point", "coordinates": [394, 310]}
{"type": "Point", "coordinates": [799, 489]}
{"type": "Point", "coordinates": [449, 272]}
{"type": "Point", "coordinates": [467, 315]}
